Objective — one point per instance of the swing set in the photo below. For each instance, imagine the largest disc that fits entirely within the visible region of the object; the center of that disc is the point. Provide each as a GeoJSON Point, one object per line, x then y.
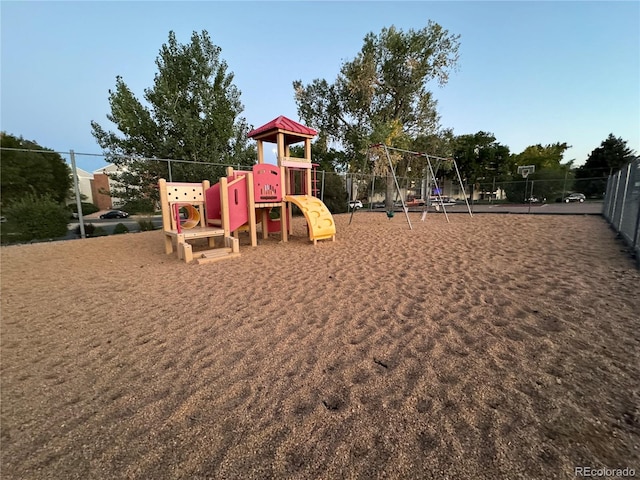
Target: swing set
{"type": "Point", "coordinates": [430, 177]}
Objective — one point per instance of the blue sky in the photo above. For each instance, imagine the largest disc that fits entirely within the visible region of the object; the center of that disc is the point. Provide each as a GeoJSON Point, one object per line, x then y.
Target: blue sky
{"type": "Point", "coordinates": [529, 72]}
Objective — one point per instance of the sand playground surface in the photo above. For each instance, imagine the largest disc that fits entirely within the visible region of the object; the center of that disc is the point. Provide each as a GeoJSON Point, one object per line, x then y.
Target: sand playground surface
{"type": "Point", "coordinates": [493, 347]}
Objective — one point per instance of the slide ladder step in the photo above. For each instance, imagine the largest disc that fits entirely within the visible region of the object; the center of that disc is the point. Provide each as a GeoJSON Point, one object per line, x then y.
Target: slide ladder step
{"type": "Point", "coordinates": [215, 255]}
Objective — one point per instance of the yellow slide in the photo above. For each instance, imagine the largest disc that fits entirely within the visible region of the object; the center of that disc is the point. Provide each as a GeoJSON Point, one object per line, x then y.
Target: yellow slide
{"type": "Point", "coordinates": [319, 219]}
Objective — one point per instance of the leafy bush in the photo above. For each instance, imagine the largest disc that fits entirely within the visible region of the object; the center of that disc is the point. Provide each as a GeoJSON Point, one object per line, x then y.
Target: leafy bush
{"type": "Point", "coordinates": [335, 195]}
{"type": "Point", "coordinates": [87, 208]}
{"type": "Point", "coordinates": [89, 228]}
{"type": "Point", "coordinates": [35, 218]}
{"type": "Point", "coordinates": [120, 228]}
{"type": "Point", "coordinates": [99, 232]}
{"type": "Point", "coordinates": [42, 172]}
{"type": "Point", "coordinates": [138, 206]}
{"type": "Point", "coordinates": [145, 224]}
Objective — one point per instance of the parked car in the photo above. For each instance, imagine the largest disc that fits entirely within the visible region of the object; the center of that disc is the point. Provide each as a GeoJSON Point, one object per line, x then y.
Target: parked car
{"type": "Point", "coordinates": [355, 204]}
{"type": "Point", "coordinates": [415, 202]}
{"type": "Point", "coordinates": [533, 200]}
{"type": "Point", "coordinates": [575, 197]}
{"type": "Point", "coordinates": [446, 201]}
{"type": "Point", "coordinates": [114, 214]}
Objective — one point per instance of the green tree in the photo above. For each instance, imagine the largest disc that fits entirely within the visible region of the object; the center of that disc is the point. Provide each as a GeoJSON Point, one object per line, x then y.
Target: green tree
{"type": "Point", "coordinates": [542, 157]}
{"type": "Point", "coordinates": [35, 217]}
{"type": "Point", "coordinates": [440, 143]}
{"type": "Point", "coordinates": [193, 114]}
{"type": "Point", "coordinates": [481, 160]}
{"type": "Point", "coordinates": [611, 155]}
{"type": "Point", "coordinates": [479, 156]}
{"type": "Point", "coordinates": [37, 173]}
{"type": "Point", "coordinates": [381, 96]}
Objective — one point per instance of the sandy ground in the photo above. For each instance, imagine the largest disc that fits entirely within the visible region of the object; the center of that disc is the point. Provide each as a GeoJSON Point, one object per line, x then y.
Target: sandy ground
{"type": "Point", "coordinates": [493, 347]}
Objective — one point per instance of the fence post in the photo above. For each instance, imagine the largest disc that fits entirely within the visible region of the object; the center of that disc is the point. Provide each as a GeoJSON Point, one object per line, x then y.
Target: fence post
{"type": "Point", "coordinates": [636, 237]}
{"type": "Point", "coordinates": [530, 196]}
{"type": "Point", "coordinates": [607, 200]}
{"type": "Point", "coordinates": [169, 166]}
{"type": "Point", "coordinates": [636, 233]}
{"type": "Point", "coordinates": [373, 190]}
{"type": "Point", "coordinates": [493, 190]}
{"type": "Point", "coordinates": [564, 185]}
{"type": "Point", "coordinates": [615, 197]}
{"type": "Point", "coordinates": [76, 189]}
{"type": "Point", "coordinates": [322, 187]}
{"type": "Point", "coordinates": [624, 196]}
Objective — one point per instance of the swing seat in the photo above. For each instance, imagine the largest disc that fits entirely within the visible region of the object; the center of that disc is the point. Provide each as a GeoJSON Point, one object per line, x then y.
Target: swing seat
{"type": "Point", "coordinates": [390, 213]}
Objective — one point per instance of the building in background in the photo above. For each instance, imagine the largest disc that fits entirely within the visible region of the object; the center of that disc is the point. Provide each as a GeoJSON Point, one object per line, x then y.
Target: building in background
{"type": "Point", "coordinates": [97, 187]}
{"type": "Point", "coordinates": [85, 180]}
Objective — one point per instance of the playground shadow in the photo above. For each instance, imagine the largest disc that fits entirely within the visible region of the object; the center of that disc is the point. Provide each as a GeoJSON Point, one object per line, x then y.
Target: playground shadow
{"type": "Point", "coordinates": [489, 347]}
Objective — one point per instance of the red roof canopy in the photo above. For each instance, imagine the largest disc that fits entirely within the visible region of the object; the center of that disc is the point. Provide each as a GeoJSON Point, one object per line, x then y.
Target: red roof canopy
{"type": "Point", "coordinates": [294, 132]}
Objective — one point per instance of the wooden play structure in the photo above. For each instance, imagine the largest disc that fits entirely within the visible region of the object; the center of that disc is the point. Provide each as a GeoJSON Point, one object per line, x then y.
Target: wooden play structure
{"type": "Point", "coordinates": [245, 199]}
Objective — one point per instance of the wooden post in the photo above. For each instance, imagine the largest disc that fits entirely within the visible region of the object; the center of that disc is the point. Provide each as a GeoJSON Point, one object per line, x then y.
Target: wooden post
{"type": "Point", "coordinates": [203, 212]}
{"type": "Point", "coordinates": [307, 173]}
{"type": "Point", "coordinates": [280, 146]}
{"type": "Point", "coordinates": [284, 221]}
{"type": "Point", "coordinates": [164, 202]}
{"type": "Point", "coordinates": [252, 210]}
{"type": "Point", "coordinates": [260, 151]}
{"type": "Point", "coordinates": [286, 189]}
{"type": "Point", "coordinates": [287, 181]}
{"type": "Point", "coordinates": [284, 182]}
{"type": "Point", "coordinates": [265, 220]}
{"type": "Point", "coordinates": [307, 150]}
{"type": "Point", "coordinates": [224, 205]}
{"type": "Point", "coordinates": [290, 218]}
{"type": "Point", "coordinates": [185, 252]}
{"type": "Point", "coordinates": [168, 244]}
{"type": "Point", "coordinates": [166, 215]}
{"type": "Point", "coordinates": [307, 157]}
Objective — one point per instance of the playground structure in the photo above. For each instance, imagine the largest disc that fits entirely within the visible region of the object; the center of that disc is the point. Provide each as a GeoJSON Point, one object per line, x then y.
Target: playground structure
{"type": "Point", "coordinates": [431, 176]}
{"type": "Point", "coordinates": [243, 199]}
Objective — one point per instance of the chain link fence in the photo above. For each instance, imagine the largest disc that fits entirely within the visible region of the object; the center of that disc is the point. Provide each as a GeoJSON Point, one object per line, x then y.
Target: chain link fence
{"type": "Point", "coordinates": [622, 204]}
{"type": "Point", "coordinates": [372, 189]}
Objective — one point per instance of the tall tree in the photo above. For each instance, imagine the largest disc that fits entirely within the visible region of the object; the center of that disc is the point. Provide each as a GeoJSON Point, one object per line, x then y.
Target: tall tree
{"type": "Point", "coordinates": [192, 112]}
{"type": "Point", "coordinates": [542, 157]}
{"type": "Point", "coordinates": [611, 155]}
{"type": "Point", "coordinates": [36, 173]}
{"type": "Point", "coordinates": [479, 156]}
{"type": "Point", "coordinates": [381, 96]}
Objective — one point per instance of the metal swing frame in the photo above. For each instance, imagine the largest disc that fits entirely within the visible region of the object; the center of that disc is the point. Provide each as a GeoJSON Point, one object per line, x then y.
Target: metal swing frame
{"type": "Point", "coordinates": [433, 177]}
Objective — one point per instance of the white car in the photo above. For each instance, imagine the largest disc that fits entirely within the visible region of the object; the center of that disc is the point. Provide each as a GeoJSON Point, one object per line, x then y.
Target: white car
{"type": "Point", "coordinates": [575, 197]}
{"type": "Point", "coordinates": [355, 204]}
{"type": "Point", "coordinates": [446, 201]}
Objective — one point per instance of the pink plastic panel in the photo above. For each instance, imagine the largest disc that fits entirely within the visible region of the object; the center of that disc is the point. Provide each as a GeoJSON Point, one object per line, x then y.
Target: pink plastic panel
{"type": "Point", "coordinates": [212, 202]}
{"type": "Point", "coordinates": [267, 184]}
{"type": "Point", "coordinates": [238, 204]}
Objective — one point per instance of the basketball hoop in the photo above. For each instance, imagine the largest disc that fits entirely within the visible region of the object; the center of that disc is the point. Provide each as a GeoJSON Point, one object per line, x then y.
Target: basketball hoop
{"type": "Point", "coordinates": [525, 170]}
